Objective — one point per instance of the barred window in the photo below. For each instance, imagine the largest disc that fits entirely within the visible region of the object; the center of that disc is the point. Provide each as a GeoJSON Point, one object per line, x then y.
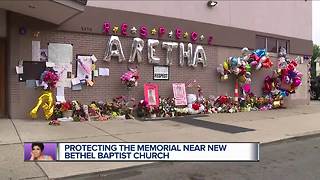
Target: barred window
{"type": "Point", "coordinates": [271, 44]}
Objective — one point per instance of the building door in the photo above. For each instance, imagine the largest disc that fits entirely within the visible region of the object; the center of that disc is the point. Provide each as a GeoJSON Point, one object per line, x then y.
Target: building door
{"type": "Point", "coordinates": [3, 78]}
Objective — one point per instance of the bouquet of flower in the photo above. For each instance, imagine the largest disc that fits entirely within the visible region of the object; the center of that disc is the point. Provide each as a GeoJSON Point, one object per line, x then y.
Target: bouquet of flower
{"type": "Point", "coordinates": [142, 108]}
{"type": "Point", "coordinates": [50, 78]}
{"type": "Point", "coordinates": [153, 110]}
{"type": "Point", "coordinates": [130, 78]}
{"type": "Point", "coordinates": [123, 106]}
{"type": "Point", "coordinates": [181, 111]}
{"type": "Point", "coordinates": [66, 109]}
{"type": "Point", "coordinates": [166, 107]}
{"type": "Point", "coordinates": [65, 106]}
{"type": "Point", "coordinates": [78, 112]}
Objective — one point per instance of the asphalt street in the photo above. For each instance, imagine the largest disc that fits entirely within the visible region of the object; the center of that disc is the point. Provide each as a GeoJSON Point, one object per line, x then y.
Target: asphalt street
{"type": "Point", "coordinates": [295, 159]}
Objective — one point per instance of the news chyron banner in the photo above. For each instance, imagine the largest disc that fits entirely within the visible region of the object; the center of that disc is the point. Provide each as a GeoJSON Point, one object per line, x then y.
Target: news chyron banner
{"type": "Point", "coordinates": [150, 151]}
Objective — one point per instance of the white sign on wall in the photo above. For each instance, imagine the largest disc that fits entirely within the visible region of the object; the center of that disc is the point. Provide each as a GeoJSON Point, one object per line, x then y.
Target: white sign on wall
{"type": "Point", "coordinates": [60, 53]}
{"type": "Point", "coordinates": [160, 72]}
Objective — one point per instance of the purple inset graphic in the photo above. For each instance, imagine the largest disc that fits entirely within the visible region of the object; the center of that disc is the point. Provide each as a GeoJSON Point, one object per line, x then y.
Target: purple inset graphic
{"type": "Point", "coordinates": [49, 151]}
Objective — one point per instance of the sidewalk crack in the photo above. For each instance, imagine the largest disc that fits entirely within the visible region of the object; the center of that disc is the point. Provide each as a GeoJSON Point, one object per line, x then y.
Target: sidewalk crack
{"type": "Point", "coordinates": [22, 145]}
{"type": "Point", "coordinates": [15, 128]}
{"type": "Point", "coordinates": [42, 170]}
{"type": "Point", "coordinates": [109, 134]}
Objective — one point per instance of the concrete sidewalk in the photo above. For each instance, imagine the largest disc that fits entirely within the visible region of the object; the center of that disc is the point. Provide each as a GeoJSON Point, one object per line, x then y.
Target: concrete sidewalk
{"type": "Point", "coordinates": [262, 126]}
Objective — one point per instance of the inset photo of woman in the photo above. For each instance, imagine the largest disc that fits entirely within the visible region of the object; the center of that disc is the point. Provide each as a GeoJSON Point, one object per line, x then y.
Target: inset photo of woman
{"type": "Point", "coordinates": [38, 151]}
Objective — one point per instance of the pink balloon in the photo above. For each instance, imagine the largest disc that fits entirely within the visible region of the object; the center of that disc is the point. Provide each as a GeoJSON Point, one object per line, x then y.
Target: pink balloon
{"type": "Point", "coordinates": [253, 63]}
{"type": "Point", "coordinates": [178, 33]}
{"type": "Point", "coordinates": [246, 88]}
{"type": "Point", "coordinates": [143, 31]}
{"type": "Point", "coordinates": [296, 82]}
{"type": "Point", "coordinates": [194, 36]}
{"type": "Point", "coordinates": [161, 31]}
{"type": "Point", "coordinates": [299, 74]}
{"type": "Point", "coordinates": [106, 27]}
{"type": "Point", "coordinates": [124, 28]}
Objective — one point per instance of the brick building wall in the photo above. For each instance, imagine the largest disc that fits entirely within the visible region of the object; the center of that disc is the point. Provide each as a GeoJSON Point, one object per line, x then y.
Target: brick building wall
{"type": "Point", "coordinates": [22, 99]}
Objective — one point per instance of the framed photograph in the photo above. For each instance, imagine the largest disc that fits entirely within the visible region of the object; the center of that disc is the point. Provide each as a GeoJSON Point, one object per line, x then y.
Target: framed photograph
{"type": "Point", "coordinates": [179, 93]}
{"type": "Point", "coordinates": [160, 72]}
{"type": "Point", "coordinates": [151, 94]}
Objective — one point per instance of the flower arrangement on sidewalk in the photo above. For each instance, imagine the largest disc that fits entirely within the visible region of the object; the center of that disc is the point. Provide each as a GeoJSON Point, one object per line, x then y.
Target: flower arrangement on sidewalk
{"type": "Point", "coordinates": [122, 107]}
{"type": "Point", "coordinates": [95, 113]}
{"type": "Point", "coordinates": [142, 108]}
{"type": "Point", "coordinates": [130, 78]}
{"type": "Point", "coordinates": [66, 109]}
{"type": "Point", "coordinates": [166, 107]}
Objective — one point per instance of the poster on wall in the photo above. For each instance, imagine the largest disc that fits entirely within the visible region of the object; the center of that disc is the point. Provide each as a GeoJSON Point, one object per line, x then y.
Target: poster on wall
{"type": "Point", "coordinates": [151, 94]}
{"type": "Point", "coordinates": [60, 53]}
{"type": "Point", "coordinates": [62, 71]}
{"type": "Point", "coordinates": [35, 50]}
{"type": "Point", "coordinates": [160, 72]}
{"type": "Point", "coordinates": [179, 93]}
{"type": "Point", "coordinates": [43, 54]}
{"type": "Point", "coordinates": [84, 67]}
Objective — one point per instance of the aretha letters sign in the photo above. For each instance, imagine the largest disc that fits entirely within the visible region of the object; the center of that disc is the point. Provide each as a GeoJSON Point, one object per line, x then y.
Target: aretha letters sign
{"type": "Point", "coordinates": [193, 58]}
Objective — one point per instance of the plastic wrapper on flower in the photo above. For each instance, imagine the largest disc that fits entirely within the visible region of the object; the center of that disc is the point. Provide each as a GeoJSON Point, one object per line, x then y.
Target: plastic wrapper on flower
{"type": "Point", "coordinates": [50, 78]}
{"type": "Point", "coordinates": [47, 104]}
{"type": "Point", "coordinates": [130, 78]}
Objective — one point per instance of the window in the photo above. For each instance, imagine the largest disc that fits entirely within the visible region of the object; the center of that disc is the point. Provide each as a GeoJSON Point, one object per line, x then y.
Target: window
{"type": "Point", "coordinates": [260, 42]}
{"type": "Point", "coordinates": [283, 43]}
{"type": "Point", "coordinates": [271, 44]}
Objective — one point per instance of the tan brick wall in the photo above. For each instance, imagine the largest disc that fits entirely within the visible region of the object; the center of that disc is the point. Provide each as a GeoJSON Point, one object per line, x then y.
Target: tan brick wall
{"type": "Point", "coordinates": [22, 99]}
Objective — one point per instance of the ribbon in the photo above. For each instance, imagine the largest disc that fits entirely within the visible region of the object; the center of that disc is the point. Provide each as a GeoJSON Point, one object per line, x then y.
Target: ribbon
{"type": "Point", "coordinates": [47, 104]}
{"type": "Point", "coordinates": [84, 67]}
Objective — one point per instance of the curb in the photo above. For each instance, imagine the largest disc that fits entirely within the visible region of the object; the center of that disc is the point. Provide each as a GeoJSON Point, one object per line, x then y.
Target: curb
{"type": "Point", "coordinates": [293, 139]}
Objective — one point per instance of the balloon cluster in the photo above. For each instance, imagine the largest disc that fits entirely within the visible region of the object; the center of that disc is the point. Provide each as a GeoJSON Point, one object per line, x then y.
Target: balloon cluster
{"type": "Point", "coordinates": [242, 66]}
{"type": "Point", "coordinates": [285, 79]}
